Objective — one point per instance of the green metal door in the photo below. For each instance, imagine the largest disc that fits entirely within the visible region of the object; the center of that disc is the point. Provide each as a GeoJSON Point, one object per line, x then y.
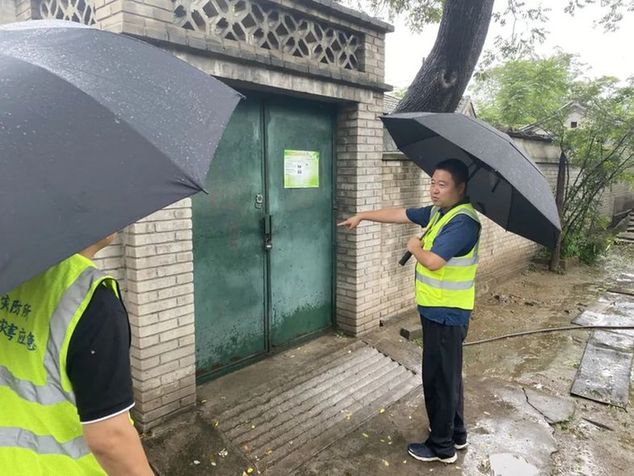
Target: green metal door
{"type": "Point", "coordinates": [229, 260]}
{"type": "Point", "coordinates": [263, 251]}
{"type": "Point", "coordinates": [301, 219]}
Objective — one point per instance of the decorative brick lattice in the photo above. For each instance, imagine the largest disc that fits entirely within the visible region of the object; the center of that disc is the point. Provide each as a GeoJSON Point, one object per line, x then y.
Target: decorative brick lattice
{"type": "Point", "coordinates": [80, 11]}
{"type": "Point", "coordinates": [266, 26]}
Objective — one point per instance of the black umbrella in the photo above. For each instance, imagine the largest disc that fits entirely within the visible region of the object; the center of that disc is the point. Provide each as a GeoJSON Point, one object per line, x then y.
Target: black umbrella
{"type": "Point", "coordinates": [97, 130]}
{"type": "Point", "coordinates": [504, 183]}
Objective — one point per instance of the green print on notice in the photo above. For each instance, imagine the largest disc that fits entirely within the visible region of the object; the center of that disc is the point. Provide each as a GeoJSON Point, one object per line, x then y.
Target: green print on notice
{"type": "Point", "coordinates": [301, 169]}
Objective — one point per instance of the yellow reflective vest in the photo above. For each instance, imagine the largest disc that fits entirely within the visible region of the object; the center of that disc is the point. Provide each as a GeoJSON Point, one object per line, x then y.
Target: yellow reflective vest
{"type": "Point", "coordinates": [453, 285]}
{"type": "Point", "coordinates": [40, 432]}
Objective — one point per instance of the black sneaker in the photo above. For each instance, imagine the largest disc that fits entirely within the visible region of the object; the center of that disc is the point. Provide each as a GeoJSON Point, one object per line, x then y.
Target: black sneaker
{"type": "Point", "coordinates": [423, 453]}
{"type": "Point", "coordinates": [460, 443]}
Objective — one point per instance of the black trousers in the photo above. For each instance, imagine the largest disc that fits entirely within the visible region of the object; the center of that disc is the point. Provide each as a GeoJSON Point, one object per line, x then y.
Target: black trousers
{"type": "Point", "coordinates": [442, 385]}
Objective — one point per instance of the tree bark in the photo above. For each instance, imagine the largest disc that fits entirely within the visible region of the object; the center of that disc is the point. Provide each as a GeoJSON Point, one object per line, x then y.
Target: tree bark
{"type": "Point", "coordinates": [444, 75]}
{"type": "Point", "coordinates": [559, 201]}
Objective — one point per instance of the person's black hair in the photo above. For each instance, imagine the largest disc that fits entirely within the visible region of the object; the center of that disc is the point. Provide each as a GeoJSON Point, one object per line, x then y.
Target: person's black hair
{"type": "Point", "coordinates": [458, 170]}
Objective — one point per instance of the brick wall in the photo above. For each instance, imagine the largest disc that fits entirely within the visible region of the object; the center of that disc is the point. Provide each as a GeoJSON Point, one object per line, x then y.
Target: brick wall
{"type": "Point", "coordinates": [159, 276]}
{"type": "Point", "coordinates": [111, 260]}
{"type": "Point", "coordinates": [404, 184]}
{"type": "Point", "coordinates": [153, 261]}
{"type": "Point", "coordinates": [359, 144]}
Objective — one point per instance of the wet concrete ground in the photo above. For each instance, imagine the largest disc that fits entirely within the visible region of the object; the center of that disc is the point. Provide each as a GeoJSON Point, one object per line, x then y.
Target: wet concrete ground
{"type": "Point", "coordinates": [513, 389]}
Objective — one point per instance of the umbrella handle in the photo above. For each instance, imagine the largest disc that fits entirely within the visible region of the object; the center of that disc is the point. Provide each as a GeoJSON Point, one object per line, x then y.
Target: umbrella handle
{"type": "Point", "coordinates": [405, 258]}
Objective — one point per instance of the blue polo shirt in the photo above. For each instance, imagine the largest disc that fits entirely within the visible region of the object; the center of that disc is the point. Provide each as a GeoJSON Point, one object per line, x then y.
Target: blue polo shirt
{"type": "Point", "coordinates": [456, 238]}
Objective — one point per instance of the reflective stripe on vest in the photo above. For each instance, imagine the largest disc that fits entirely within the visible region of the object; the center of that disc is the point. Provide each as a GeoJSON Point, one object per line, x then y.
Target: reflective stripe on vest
{"type": "Point", "coordinates": [436, 283]}
{"type": "Point", "coordinates": [463, 261]}
{"type": "Point", "coordinates": [21, 438]}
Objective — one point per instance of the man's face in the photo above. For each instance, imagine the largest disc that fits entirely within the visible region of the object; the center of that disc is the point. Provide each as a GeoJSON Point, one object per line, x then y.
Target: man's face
{"type": "Point", "coordinates": [443, 190]}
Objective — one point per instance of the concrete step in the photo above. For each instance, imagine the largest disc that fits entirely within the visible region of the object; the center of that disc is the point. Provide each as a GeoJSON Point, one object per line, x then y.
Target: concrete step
{"type": "Point", "coordinates": [627, 236]}
{"type": "Point", "coordinates": [326, 438]}
{"type": "Point", "coordinates": [280, 427]}
{"type": "Point", "coordinates": [291, 427]}
{"type": "Point", "coordinates": [295, 402]}
{"type": "Point", "coordinates": [283, 446]}
{"type": "Point", "coordinates": [317, 437]}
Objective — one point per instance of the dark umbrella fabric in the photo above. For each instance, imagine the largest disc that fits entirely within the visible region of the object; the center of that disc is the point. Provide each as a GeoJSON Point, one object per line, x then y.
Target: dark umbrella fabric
{"type": "Point", "coordinates": [504, 184]}
{"type": "Point", "coordinates": [97, 130]}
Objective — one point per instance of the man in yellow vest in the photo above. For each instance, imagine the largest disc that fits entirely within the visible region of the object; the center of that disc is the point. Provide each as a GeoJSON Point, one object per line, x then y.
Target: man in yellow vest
{"type": "Point", "coordinates": [65, 381]}
{"type": "Point", "coordinates": [447, 257]}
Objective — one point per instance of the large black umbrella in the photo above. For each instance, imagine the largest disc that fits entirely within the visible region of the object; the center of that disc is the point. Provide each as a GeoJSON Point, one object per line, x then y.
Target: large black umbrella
{"type": "Point", "coordinates": [504, 183]}
{"type": "Point", "coordinates": [97, 130]}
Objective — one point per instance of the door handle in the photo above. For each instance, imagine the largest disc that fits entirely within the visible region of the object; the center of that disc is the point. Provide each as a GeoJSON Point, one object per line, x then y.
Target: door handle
{"type": "Point", "coordinates": [268, 232]}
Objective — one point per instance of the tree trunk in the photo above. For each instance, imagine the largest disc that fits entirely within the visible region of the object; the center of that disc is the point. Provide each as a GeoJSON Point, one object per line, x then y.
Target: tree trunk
{"type": "Point", "coordinates": [559, 201]}
{"type": "Point", "coordinates": [443, 77]}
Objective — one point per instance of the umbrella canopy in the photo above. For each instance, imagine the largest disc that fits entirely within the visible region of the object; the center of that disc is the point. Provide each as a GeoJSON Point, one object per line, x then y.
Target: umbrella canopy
{"type": "Point", "coordinates": [97, 130]}
{"type": "Point", "coordinates": [504, 183]}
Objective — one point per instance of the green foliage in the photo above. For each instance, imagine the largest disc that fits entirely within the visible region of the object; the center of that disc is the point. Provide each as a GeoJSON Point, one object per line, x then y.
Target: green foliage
{"type": "Point", "coordinates": [588, 244]}
{"type": "Point", "coordinates": [522, 92]}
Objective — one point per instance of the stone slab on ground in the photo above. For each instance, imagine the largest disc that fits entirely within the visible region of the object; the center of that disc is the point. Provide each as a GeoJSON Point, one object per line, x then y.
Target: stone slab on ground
{"type": "Point", "coordinates": [611, 309]}
{"type": "Point", "coordinates": [624, 283]}
{"type": "Point", "coordinates": [604, 373]}
{"type": "Point", "coordinates": [555, 409]}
